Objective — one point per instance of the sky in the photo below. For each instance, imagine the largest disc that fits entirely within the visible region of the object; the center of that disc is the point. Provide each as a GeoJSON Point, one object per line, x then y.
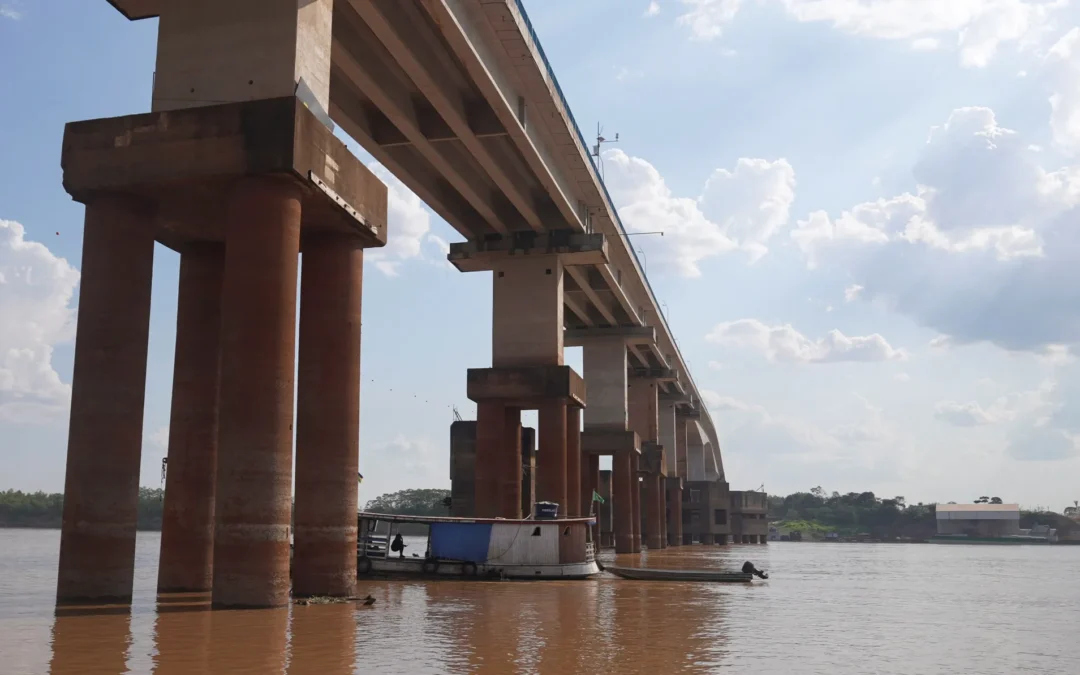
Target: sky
{"type": "Point", "coordinates": [870, 253]}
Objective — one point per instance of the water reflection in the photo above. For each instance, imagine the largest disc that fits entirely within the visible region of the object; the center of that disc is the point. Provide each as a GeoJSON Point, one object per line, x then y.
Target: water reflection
{"type": "Point", "coordinates": [323, 640]}
{"type": "Point", "coordinates": [90, 640]}
{"type": "Point", "coordinates": [182, 634]}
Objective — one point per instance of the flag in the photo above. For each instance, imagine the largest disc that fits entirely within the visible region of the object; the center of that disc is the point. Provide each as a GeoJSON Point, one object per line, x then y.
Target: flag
{"type": "Point", "coordinates": [596, 497]}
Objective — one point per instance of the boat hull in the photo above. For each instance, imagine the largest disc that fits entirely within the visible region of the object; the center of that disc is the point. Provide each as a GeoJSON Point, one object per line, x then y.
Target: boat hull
{"type": "Point", "coordinates": [445, 569]}
{"type": "Point", "coordinates": [641, 574]}
{"type": "Point", "coordinates": [1007, 541]}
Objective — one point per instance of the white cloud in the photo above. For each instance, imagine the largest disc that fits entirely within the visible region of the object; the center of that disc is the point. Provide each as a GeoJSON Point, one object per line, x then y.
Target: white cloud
{"type": "Point", "coordinates": [984, 248]}
{"type": "Point", "coordinates": [653, 9]}
{"type": "Point", "coordinates": [739, 209]}
{"type": "Point", "coordinates": [624, 74]}
{"type": "Point", "coordinates": [408, 224]}
{"type": "Point", "coordinates": [978, 28]}
{"type": "Point", "coordinates": [9, 12]}
{"type": "Point", "coordinates": [968, 414]}
{"type": "Point", "coordinates": [1063, 68]}
{"type": "Point", "coordinates": [36, 290]}
{"type": "Point", "coordinates": [902, 377]}
{"type": "Point", "coordinates": [851, 293]}
{"type": "Point", "coordinates": [784, 344]}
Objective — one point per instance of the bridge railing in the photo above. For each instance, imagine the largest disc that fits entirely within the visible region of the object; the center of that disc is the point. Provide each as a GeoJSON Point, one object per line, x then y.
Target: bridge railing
{"type": "Point", "coordinates": [596, 172]}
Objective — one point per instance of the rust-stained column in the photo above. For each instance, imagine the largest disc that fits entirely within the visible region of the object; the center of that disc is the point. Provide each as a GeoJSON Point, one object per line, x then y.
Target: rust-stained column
{"type": "Point", "coordinates": [674, 513]}
{"type": "Point", "coordinates": [575, 506]}
{"type": "Point", "coordinates": [510, 472]}
{"type": "Point", "coordinates": [551, 458]}
{"type": "Point", "coordinates": [651, 486]}
{"type": "Point", "coordinates": [662, 498]}
{"type": "Point", "coordinates": [592, 482]}
{"type": "Point", "coordinates": [623, 479]}
{"type": "Point", "coordinates": [258, 327]}
{"type": "Point", "coordinates": [328, 416]}
{"type": "Point", "coordinates": [490, 417]}
{"type": "Point", "coordinates": [101, 488]}
{"type": "Point", "coordinates": [635, 496]}
{"type": "Point", "coordinates": [187, 524]}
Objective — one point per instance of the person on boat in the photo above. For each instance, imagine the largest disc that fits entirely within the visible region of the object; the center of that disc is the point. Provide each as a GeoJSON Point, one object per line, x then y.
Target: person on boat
{"type": "Point", "coordinates": [398, 546]}
{"type": "Point", "coordinates": [748, 568]}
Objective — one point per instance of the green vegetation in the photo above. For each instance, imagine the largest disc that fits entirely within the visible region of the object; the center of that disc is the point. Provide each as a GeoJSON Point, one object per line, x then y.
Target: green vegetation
{"type": "Point", "coordinates": [816, 513]}
{"type": "Point", "coordinates": [428, 502]}
{"type": "Point", "coordinates": [39, 509]}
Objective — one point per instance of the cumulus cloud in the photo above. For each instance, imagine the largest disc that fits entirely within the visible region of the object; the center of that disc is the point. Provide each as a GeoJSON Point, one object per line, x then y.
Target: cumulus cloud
{"type": "Point", "coordinates": [653, 9]}
{"type": "Point", "coordinates": [851, 293]}
{"type": "Point", "coordinates": [978, 28]}
{"type": "Point", "coordinates": [968, 414]}
{"type": "Point", "coordinates": [408, 226]}
{"type": "Point", "coordinates": [8, 11]}
{"type": "Point", "coordinates": [738, 209]}
{"type": "Point", "coordinates": [784, 344]}
{"type": "Point", "coordinates": [984, 248]}
{"type": "Point", "coordinates": [36, 290]}
{"type": "Point", "coordinates": [1063, 68]}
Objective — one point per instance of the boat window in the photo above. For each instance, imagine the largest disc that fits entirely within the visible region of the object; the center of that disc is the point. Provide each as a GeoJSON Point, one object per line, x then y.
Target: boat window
{"type": "Point", "coordinates": [536, 532]}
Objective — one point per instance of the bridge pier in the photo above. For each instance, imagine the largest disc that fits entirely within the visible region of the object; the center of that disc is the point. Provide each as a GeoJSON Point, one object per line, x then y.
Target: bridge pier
{"type": "Point", "coordinates": [101, 487]}
{"type": "Point", "coordinates": [674, 509]}
{"type": "Point", "coordinates": [205, 178]}
{"type": "Point", "coordinates": [186, 561]}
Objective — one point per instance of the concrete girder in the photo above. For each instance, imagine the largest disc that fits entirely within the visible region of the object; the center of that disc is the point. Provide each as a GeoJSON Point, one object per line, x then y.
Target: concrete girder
{"type": "Point", "coordinates": [430, 74]}
{"type": "Point", "coordinates": [631, 335]}
{"type": "Point", "coordinates": [572, 248]}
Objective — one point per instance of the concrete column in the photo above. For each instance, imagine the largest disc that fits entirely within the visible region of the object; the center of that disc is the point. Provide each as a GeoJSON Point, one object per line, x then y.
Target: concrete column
{"type": "Point", "coordinates": [328, 417]}
{"type": "Point", "coordinates": [101, 488]}
{"type": "Point", "coordinates": [666, 430]}
{"type": "Point", "coordinates": [680, 448]}
{"type": "Point", "coordinates": [623, 484]}
{"type": "Point", "coordinates": [528, 469]}
{"type": "Point", "coordinates": [490, 418]}
{"type": "Point", "coordinates": [605, 511]}
{"type": "Point", "coordinates": [675, 533]}
{"type": "Point", "coordinates": [527, 313]}
{"type": "Point", "coordinates": [187, 526]}
{"type": "Point", "coordinates": [604, 366]}
{"type": "Point", "coordinates": [575, 506]}
{"type": "Point", "coordinates": [642, 402]}
{"type": "Point", "coordinates": [258, 328]}
{"type": "Point", "coordinates": [651, 489]}
{"type": "Point", "coordinates": [551, 458]}
{"type": "Point", "coordinates": [707, 538]}
{"type": "Point", "coordinates": [695, 461]}
{"type": "Point", "coordinates": [662, 497]}
{"type": "Point", "coordinates": [635, 496]}
{"type": "Point", "coordinates": [592, 484]}
{"type": "Point", "coordinates": [510, 475]}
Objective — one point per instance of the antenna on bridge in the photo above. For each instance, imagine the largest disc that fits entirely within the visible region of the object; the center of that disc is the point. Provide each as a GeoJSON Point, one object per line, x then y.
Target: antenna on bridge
{"type": "Point", "coordinates": [457, 415]}
{"type": "Point", "coordinates": [600, 140]}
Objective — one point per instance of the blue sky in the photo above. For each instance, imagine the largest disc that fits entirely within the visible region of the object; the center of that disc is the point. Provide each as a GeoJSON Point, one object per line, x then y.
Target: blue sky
{"type": "Point", "coordinates": [868, 210]}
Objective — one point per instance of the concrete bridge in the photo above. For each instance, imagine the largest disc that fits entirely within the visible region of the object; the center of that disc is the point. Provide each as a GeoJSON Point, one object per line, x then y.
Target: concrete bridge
{"type": "Point", "coordinates": [238, 169]}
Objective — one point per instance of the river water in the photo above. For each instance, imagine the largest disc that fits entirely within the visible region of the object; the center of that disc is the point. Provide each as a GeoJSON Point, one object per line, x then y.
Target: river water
{"type": "Point", "coordinates": [827, 608]}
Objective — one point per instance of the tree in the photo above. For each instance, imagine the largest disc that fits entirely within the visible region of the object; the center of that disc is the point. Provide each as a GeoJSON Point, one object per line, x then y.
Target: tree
{"type": "Point", "coordinates": [982, 500]}
{"type": "Point", "coordinates": [995, 500]}
{"type": "Point", "coordinates": [818, 492]}
{"type": "Point", "coordinates": [426, 502]}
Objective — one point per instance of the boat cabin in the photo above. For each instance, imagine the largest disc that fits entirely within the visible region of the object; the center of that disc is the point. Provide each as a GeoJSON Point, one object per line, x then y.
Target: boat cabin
{"type": "Point", "coordinates": [476, 547]}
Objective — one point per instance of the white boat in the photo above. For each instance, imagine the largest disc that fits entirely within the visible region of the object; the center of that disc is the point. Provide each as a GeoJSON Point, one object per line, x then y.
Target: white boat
{"type": "Point", "coordinates": [479, 548]}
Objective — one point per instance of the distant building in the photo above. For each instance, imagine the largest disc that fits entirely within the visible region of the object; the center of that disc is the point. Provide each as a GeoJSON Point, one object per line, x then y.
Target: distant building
{"type": "Point", "coordinates": [978, 520]}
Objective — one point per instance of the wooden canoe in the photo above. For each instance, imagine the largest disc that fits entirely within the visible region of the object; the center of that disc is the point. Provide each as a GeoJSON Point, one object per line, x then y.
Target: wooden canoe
{"type": "Point", "coordinates": [642, 574]}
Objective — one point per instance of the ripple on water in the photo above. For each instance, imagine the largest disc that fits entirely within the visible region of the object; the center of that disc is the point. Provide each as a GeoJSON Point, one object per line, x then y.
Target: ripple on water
{"type": "Point", "coordinates": [828, 608]}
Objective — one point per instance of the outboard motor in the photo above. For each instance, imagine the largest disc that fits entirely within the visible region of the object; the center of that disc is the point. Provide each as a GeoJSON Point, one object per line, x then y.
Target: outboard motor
{"type": "Point", "coordinates": [748, 568]}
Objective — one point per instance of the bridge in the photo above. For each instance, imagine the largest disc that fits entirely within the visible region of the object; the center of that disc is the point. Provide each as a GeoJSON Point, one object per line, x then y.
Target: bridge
{"type": "Point", "coordinates": [238, 168]}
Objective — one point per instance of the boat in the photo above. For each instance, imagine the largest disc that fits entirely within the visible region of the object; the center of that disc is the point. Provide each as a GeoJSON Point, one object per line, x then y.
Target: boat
{"type": "Point", "coordinates": [477, 548]}
{"type": "Point", "coordinates": [643, 574]}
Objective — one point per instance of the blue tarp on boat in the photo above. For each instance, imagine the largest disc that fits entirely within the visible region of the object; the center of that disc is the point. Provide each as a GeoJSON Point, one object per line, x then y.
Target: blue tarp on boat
{"type": "Point", "coordinates": [460, 541]}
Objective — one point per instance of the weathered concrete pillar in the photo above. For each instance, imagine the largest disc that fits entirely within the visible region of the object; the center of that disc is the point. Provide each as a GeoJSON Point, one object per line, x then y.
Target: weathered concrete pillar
{"type": "Point", "coordinates": [528, 469]}
{"type": "Point", "coordinates": [462, 468]}
{"type": "Point", "coordinates": [662, 498]}
{"type": "Point", "coordinates": [101, 487]}
{"type": "Point", "coordinates": [651, 488]}
{"type": "Point", "coordinates": [680, 448]}
{"type": "Point", "coordinates": [623, 485]}
{"type": "Point", "coordinates": [258, 326]}
{"type": "Point", "coordinates": [490, 418]}
{"type": "Point", "coordinates": [510, 477]}
{"type": "Point", "coordinates": [674, 494]}
{"type": "Point", "coordinates": [666, 431]}
{"type": "Point", "coordinates": [604, 366]}
{"type": "Point", "coordinates": [575, 506]}
{"type": "Point", "coordinates": [187, 526]}
{"type": "Point", "coordinates": [635, 496]}
{"type": "Point", "coordinates": [605, 511]}
{"type": "Point", "coordinates": [551, 457]}
{"type": "Point", "coordinates": [592, 484]}
{"type": "Point", "coordinates": [328, 416]}
{"type": "Point", "coordinates": [707, 538]}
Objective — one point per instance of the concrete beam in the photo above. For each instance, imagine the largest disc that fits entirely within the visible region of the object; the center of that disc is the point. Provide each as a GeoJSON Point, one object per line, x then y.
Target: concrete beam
{"type": "Point", "coordinates": [630, 335]}
{"type": "Point", "coordinates": [526, 387]}
{"type": "Point", "coordinates": [134, 10]}
{"type": "Point", "coordinates": [609, 442]}
{"type": "Point", "coordinates": [653, 459]}
{"type": "Point", "coordinates": [181, 162]}
{"type": "Point", "coordinates": [572, 248]}
{"type": "Point", "coordinates": [659, 374]}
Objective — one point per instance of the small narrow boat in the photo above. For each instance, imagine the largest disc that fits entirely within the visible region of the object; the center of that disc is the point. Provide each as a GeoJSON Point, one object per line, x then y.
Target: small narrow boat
{"type": "Point", "coordinates": [479, 548]}
{"type": "Point", "coordinates": [642, 574]}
